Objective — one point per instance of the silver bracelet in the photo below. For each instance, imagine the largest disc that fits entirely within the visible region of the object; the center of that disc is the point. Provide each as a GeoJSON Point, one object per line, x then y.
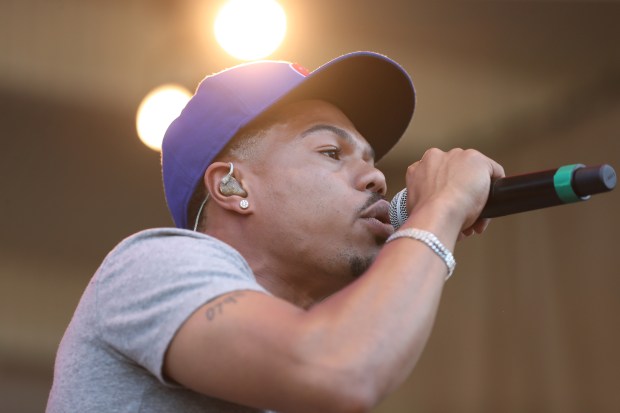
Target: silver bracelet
{"type": "Point", "coordinates": [431, 241]}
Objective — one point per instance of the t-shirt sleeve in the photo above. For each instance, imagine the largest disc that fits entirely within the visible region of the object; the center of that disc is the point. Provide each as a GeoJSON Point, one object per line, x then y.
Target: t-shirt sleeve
{"type": "Point", "coordinates": [151, 283]}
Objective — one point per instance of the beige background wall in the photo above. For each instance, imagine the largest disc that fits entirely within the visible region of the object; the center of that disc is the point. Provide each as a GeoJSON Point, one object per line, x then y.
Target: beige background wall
{"type": "Point", "coordinates": [528, 323]}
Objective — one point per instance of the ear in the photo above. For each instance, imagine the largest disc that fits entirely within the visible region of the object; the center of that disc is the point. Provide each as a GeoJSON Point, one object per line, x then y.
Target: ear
{"type": "Point", "coordinates": [215, 175]}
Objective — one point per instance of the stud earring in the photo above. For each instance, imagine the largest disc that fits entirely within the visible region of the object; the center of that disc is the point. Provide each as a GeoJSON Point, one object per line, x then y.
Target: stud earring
{"type": "Point", "coordinates": [244, 204]}
{"type": "Point", "coordinates": [230, 186]}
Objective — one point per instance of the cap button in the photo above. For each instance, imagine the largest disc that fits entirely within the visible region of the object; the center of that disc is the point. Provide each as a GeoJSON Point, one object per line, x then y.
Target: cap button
{"type": "Point", "coordinates": [300, 69]}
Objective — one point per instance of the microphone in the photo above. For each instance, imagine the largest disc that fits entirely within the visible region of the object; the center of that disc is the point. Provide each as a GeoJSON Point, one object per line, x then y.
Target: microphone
{"type": "Point", "coordinates": [527, 192]}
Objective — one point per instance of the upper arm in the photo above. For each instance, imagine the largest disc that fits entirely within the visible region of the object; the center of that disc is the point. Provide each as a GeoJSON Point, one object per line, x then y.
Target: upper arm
{"type": "Point", "coordinates": [245, 347]}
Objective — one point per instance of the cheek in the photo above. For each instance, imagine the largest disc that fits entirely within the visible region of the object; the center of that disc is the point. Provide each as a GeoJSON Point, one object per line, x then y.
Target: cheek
{"type": "Point", "coordinates": [308, 202]}
{"type": "Point", "coordinates": [299, 188]}
{"type": "Point", "coordinates": [308, 195]}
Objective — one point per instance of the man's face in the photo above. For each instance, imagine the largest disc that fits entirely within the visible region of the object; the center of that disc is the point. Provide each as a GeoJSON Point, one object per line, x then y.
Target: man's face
{"type": "Point", "coordinates": [316, 194]}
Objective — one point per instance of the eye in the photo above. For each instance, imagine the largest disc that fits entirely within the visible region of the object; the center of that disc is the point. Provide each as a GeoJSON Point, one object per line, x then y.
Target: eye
{"type": "Point", "coordinates": [333, 153]}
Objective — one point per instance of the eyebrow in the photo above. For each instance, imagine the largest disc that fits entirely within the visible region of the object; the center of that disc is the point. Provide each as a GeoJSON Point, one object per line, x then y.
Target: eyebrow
{"type": "Point", "coordinates": [341, 133]}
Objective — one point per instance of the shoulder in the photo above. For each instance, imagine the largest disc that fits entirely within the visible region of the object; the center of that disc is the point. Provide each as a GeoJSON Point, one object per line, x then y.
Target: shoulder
{"type": "Point", "coordinates": [167, 238]}
{"type": "Point", "coordinates": [159, 246]}
{"type": "Point", "coordinates": [172, 259]}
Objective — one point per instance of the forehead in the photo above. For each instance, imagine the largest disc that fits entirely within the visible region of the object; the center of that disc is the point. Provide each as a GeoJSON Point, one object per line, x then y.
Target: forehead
{"type": "Point", "coordinates": [308, 110]}
{"type": "Point", "coordinates": [308, 117]}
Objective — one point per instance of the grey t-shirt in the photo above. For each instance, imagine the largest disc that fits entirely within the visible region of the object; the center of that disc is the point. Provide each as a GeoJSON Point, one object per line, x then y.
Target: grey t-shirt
{"type": "Point", "coordinates": [111, 356]}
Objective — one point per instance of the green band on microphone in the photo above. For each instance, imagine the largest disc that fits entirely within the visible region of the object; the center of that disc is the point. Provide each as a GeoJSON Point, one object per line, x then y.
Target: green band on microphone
{"type": "Point", "coordinates": [562, 183]}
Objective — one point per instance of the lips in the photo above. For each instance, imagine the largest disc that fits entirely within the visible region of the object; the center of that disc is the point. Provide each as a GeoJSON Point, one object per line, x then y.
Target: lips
{"type": "Point", "coordinates": [377, 217]}
{"type": "Point", "coordinates": [380, 211]}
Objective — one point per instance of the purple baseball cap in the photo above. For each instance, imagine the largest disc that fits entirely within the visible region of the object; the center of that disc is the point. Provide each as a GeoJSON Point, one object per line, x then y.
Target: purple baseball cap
{"type": "Point", "coordinates": [375, 93]}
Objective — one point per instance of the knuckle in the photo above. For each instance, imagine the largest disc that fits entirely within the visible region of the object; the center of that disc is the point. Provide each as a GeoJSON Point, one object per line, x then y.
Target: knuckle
{"type": "Point", "coordinates": [473, 153]}
{"type": "Point", "coordinates": [431, 152]}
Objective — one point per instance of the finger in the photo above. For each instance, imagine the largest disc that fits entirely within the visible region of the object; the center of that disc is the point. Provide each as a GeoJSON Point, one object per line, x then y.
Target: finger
{"type": "Point", "coordinates": [481, 225]}
{"type": "Point", "coordinates": [468, 232]}
{"type": "Point", "coordinates": [497, 171]}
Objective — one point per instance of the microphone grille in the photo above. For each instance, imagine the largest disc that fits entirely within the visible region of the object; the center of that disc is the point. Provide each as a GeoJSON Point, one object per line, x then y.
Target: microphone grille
{"type": "Point", "coordinates": [398, 209]}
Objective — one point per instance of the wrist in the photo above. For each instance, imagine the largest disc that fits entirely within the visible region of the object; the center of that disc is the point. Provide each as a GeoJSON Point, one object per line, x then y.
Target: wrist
{"type": "Point", "coordinates": [439, 217]}
{"type": "Point", "coordinates": [431, 241]}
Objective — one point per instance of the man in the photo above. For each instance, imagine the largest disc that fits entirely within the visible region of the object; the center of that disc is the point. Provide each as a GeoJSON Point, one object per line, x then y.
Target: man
{"type": "Point", "coordinates": [277, 291]}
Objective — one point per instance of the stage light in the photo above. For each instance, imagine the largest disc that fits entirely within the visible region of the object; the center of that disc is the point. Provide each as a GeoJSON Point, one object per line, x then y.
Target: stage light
{"type": "Point", "coordinates": [157, 110]}
{"type": "Point", "coordinates": [250, 29]}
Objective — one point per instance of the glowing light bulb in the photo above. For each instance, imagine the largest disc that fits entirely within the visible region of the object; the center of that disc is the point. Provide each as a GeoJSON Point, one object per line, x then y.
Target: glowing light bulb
{"type": "Point", "coordinates": [157, 110]}
{"type": "Point", "coordinates": [250, 29]}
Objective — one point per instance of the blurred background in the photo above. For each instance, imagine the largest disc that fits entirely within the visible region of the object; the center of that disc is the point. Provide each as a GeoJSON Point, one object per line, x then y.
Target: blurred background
{"type": "Point", "coordinates": [531, 319]}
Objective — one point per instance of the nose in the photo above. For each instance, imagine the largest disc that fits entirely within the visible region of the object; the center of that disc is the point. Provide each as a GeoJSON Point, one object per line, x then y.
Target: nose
{"type": "Point", "coordinates": [371, 179]}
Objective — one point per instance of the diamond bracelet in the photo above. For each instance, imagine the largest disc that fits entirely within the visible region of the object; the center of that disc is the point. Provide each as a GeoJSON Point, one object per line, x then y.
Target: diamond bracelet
{"type": "Point", "coordinates": [431, 241]}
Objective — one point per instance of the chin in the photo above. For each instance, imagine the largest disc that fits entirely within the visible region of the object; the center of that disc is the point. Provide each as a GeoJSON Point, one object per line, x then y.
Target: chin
{"type": "Point", "coordinates": [358, 265]}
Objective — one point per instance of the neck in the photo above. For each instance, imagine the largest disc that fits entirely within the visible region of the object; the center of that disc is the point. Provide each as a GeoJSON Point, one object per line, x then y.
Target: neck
{"type": "Point", "coordinates": [289, 279]}
{"type": "Point", "coordinates": [290, 274]}
{"type": "Point", "coordinates": [286, 279]}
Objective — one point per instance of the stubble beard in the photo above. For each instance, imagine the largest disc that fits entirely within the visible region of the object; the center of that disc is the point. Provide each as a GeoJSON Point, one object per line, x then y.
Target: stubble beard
{"type": "Point", "coordinates": [359, 265]}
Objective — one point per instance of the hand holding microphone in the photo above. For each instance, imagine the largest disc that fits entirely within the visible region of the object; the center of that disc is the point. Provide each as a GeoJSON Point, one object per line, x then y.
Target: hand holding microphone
{"type": "Point", "coordinates": [461, 190]}
{"type": "Point", "coordinates": [526, 192]}
{"type": "Point", "coordinates": [451, 188]}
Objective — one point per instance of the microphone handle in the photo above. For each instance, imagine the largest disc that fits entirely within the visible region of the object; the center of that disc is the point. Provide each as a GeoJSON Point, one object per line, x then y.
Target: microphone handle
{"type": "Point", "coordinates": [567, 184]}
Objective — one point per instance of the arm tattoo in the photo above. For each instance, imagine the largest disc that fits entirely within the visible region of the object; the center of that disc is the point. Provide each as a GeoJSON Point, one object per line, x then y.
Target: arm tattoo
{"type": "Point", "coordinates": [217, 307]}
